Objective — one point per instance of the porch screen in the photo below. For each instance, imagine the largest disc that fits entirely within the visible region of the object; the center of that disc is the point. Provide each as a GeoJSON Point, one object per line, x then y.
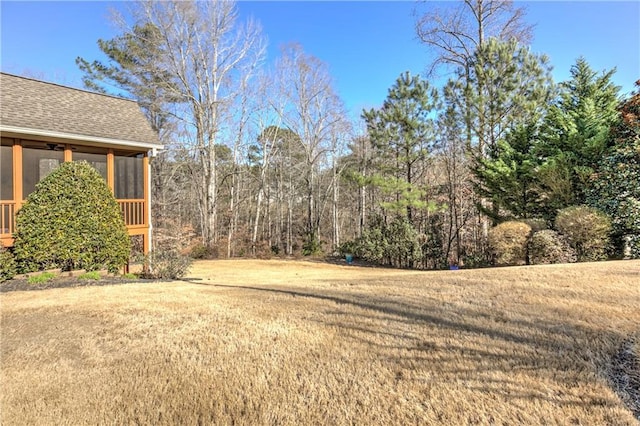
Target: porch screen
{"type": "Point", "coordinates": [6, 169]}
{"type": "Point", "coordinates": [37, 162]}
{"type": "Point", "coordinates": [129, 177]}
{"type": "Point", "coordinates": [97, 161]}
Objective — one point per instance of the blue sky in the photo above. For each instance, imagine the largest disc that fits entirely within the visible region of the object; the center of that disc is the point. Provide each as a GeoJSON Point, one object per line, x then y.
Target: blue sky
{"type": "Point", "coordinates": [366, 44]}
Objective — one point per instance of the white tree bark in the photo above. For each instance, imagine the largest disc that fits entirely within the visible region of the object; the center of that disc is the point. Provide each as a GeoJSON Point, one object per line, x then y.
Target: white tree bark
{"type": "Point", "coordinates": [207, 55]}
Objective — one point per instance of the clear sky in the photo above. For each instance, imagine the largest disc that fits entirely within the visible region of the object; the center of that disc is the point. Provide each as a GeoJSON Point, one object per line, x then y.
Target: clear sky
{"type": "Point", "coordinates": [366, 44]}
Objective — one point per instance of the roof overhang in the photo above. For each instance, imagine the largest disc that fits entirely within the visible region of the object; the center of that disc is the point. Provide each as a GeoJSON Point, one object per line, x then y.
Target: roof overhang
{"type": "Point", "coordinates": [61, 137]}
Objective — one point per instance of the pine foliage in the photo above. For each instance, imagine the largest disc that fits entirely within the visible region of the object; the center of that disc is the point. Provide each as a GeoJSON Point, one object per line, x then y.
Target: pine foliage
{"type": "Point", "coordinates": [575, 135]}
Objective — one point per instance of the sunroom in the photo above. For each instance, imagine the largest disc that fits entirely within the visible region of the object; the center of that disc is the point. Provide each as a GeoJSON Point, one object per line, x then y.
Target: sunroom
{"type": "Point", "coordinates": [44, 124]}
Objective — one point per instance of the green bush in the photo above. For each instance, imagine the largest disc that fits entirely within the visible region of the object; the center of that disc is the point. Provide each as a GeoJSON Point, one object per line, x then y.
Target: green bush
{"type": "Point", "coordinates": [372, 245]}
{"type": "Point", "coordinates": [7, 265]}
{"type": "Point", "coordinates": [41, 278]}
{"type": "Point", "coordinates": [166, 265]}
{"type": "Point", "coordinates": [588, 231]}
{"type": "Point", "coordinates": [633, 244]}
{"type": "Point", "coordinates": [396, 244]}
{"type": "Point", "coordinates": [200, 251]}
{"type": "Point", "coordinates": [71, 221]}
{"type": "Point", "coordinates": [547, 246]}
{"type": "Point", "coordinates": [348, 247]}
{"type": "Point", "coordinates": [312, 246]}
{"type": "Point", "coordinates": [476, 259]}
{"type": "Point", "coordinates": [92, 275]}
{"type": "Point", "coordinates": [508, 243]}
{"type": "Point", "coordinates": [403, 248]}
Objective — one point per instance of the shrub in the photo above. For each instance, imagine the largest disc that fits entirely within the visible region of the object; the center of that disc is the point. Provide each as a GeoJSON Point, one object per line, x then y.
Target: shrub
{"type": "Point", "coordinates": [547, 246]}
{"type": "Point", "coordinates": [588, 231]}
{"type": "Point", "coordinates": [372, 245]}
{"type": "Point", "coordinates": [41, 278]}
{"type": "Point", "coordinates": [508, 243]}
{"type": "Point", "coordinates": [312, 246]}
{"type": "Point", "coordinates": [396, 244]}
{"type": "Point", "coordinates": [92, 275]}
{"type": "Point", "coordinates": [166, 264]}
{"type": "Point", "coordinates": [476, 259]}
{"type": "Point", "coordinates": [536, 224]}
{"type": "Point", "coordinates": [7, 265]}
{"type": "Point", "coordinates": [71, 221]}
{"type": "Point", "coordinates": [633, 246]}
{"type": "Point", "coordinates": [348, 247]}
{"type": "Point", "coordinates": [403, 248]}
{"type": "Point", "coordinates": [200, 251]}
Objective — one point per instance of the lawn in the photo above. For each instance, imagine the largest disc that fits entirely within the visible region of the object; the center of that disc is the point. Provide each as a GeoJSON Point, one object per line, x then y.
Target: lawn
{"type": "Point", "coordinates": [285, 342]}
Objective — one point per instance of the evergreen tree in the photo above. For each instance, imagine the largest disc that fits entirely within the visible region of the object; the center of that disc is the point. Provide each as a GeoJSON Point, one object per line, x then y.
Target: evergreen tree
{"type": "Point", "coordinates": [512, 87]}
{"type": "Point", "coordinates": [133, 70]}
{"type": "Point", "coordinates": [402, 135]}
{"type": "Point", "coordinates": [615, 188]}
{"type": "Point", "coordinates": [576, 135]}
{"type": "Point", "coordinates": [509, 178]}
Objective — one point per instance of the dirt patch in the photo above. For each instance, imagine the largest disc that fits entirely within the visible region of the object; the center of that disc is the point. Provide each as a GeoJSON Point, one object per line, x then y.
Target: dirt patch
{"type": "Point", "coordinates": [22, 284]}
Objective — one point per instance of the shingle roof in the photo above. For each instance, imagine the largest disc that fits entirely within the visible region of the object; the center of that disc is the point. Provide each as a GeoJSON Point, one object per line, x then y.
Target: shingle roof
{"type": "Point", "coordinates": [32, 104]}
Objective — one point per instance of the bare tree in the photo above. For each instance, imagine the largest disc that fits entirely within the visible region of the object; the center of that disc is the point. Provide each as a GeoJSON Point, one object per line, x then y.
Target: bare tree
{"type": "Point", "coordinates": [456, 32]}
{"type": "Point", "coordinates": [206, 56]}
{"type": "Point", "coordinates": [313, 110]}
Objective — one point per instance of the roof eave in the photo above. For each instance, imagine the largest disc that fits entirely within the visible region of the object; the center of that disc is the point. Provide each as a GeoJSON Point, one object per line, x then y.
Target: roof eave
{"type": "Point", "coordinates": [94, 140]}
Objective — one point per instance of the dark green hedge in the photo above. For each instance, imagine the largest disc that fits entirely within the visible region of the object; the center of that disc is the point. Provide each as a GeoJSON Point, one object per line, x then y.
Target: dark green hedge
{"type": "Point", "coordinates": [71, 221]}
{"type": "Point", "coordinates": [7, 264]}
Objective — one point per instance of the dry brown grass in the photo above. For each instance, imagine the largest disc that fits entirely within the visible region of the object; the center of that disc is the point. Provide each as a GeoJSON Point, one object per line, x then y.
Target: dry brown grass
{"type": "Point", "coordinates": [275, 342]}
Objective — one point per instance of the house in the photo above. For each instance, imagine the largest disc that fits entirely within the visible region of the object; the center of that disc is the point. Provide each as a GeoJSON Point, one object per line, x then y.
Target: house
{"type": "Point", "coordinates": [44, 124]}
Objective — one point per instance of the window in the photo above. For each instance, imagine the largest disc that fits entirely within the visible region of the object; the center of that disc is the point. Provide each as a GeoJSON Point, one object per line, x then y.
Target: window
{"type": "Point", "coordinates": [129, 176]}
{"type": "Point", "coordinates": [38, 160]}
{"type": "Point", "coordinates": [6, 169]}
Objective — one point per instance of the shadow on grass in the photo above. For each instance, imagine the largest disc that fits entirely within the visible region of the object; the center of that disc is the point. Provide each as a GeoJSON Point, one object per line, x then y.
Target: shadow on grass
{"type": "Point", "coordinates": [543, 345]}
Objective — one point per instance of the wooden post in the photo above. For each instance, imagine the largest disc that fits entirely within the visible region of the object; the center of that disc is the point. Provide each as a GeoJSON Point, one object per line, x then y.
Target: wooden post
{"type": "Point", "coordinates": [111, 171]}
{"type": "Point", "coordinates": [17, 174]}
{"type": "Point", "coordinates": [68, 156]}
{"type": "Point", "coordinates": [147, 199]}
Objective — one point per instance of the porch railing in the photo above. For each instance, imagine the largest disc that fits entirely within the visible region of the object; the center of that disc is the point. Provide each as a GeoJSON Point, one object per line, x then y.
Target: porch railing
{"type": "Point", "coordinates": [133, 212]}
{"type": "Point", "coordinates": [7, 218]}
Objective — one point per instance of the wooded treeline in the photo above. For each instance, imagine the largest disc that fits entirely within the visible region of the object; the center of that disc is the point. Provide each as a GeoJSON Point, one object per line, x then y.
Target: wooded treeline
{"type": "Point", "coordinates": [262, 159]}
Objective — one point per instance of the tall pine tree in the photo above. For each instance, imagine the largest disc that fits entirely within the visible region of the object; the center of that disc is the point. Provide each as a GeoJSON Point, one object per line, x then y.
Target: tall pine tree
{"type": "Point", "coordinates": [402, 134]}
{"type": "Point", "coordinates": [575, 135]}
{"type": "Point", "coordinates": [514, 87]}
